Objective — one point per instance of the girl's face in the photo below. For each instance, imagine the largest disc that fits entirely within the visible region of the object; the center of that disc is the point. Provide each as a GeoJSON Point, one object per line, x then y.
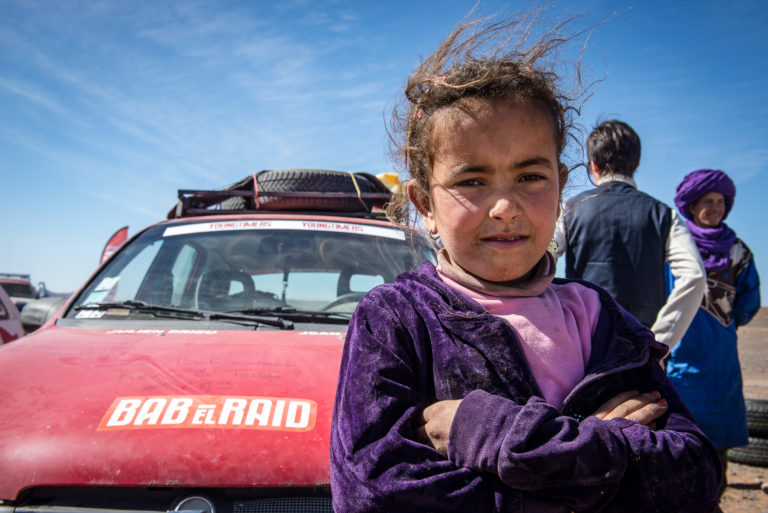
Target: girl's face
{"type": "Point", "coordinates": [709, 210]}
{"type": "Point", "coordinates": [494, 190]}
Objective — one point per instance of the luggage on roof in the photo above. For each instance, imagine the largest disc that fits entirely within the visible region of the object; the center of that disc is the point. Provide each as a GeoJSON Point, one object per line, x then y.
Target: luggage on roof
{"type": "Point", "coordinates": [290, 189]}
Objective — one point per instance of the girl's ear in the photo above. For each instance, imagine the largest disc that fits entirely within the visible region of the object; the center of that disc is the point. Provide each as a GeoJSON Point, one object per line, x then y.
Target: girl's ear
{"type": "Point", "coordinates": [563, 176]}
{"type": "Point", "coordinates": [421, 200]}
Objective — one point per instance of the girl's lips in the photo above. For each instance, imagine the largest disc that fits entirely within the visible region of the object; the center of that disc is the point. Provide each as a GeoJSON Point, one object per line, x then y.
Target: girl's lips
{"type": "Point", "coordinates": [503, 238]}
{"type": "Point", "coordinates": [505, 241]}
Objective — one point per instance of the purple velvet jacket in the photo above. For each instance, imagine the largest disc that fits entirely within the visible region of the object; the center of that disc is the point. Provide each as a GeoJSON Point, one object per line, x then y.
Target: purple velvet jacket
{"type": "Point", "coordinates": [417, 341]}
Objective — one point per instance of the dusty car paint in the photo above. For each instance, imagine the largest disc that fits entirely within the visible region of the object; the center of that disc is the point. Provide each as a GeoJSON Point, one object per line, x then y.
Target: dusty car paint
{"type": "Point", "coordinates": [66, 380]}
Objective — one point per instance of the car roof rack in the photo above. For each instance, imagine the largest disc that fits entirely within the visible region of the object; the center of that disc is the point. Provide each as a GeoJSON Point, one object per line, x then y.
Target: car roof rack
{"type": "Point", "coordinates": [311, 191]}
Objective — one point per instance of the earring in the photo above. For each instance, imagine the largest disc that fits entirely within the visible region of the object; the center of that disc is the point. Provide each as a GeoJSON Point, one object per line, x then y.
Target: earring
{"type": "Point", "coordinates": [434, 236]}
{"type": "Point", "coordinates": [553, 246]}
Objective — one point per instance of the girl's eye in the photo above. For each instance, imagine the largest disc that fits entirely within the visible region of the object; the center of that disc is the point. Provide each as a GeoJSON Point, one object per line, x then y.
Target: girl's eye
{"type": "Point", "coordinates": [469, 182]}
{"type": "Point", "coordinates": [531, 178]}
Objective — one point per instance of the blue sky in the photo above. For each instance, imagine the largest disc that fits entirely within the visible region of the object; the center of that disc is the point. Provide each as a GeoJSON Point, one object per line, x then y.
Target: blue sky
{"type": "Point", "coordinates": [108, 107]}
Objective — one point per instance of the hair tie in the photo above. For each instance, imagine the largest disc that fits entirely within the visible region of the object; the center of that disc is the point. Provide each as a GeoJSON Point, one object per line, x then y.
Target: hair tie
{"type": "Point", "coordinates": [439, 80]}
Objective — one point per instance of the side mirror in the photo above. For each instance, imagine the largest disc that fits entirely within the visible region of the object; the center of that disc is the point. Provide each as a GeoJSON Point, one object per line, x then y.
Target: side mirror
{"type": "Point", "coordinates": [41, 290]}
{"type": "Point", "coordinates": [38, 312]}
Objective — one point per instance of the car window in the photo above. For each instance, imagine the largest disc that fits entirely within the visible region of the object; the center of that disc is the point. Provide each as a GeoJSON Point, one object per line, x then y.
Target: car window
{"type": "Point", "coordinates": [242, 266]}
{"type": "Point", "coordinates": [364, 282]}
{"type": "Point", "coordinates": [19, 289]}
{"type": "Point", "coordinates": [313, 290]}
{"type": "Point", "coordinates": [188, 257]}
{"type": "Point", "coordinates": [123, 283]}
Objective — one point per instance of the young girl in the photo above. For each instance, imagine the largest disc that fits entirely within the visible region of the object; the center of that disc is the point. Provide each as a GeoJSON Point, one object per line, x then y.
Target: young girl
{"type": "Point", "coordinates": [485, 384]}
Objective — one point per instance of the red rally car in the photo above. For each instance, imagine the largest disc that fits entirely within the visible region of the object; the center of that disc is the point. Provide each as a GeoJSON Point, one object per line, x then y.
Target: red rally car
{"type": "Point", "coordinates": [196, 369]}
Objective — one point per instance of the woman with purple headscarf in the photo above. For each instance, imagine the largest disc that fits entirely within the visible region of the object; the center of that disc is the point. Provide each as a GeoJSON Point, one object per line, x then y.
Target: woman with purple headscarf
{"type": "Point", "coordinates": [704, 366]}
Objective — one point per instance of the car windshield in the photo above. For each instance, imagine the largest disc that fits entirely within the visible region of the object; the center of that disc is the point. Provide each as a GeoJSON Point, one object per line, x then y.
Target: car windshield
{"type": "Point", "coordinates": [19, 289]}
{"type": "Point", "coordinates": [257, 267]}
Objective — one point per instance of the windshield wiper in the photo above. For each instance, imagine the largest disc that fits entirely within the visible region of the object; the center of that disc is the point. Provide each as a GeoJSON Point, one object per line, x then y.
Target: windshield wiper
{"type": "Point", "coordinates": [299, 315]}
{"type": "Point", "coordinates": [204, 314]}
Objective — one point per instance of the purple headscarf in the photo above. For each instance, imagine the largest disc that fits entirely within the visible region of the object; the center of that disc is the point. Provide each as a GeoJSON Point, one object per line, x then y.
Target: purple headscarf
{"type": "Point", "coordinates": [714, 243]}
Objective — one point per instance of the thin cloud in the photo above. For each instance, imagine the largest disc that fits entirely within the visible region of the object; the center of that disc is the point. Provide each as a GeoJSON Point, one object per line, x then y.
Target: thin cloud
{"type": "Point", "coordinates": [30, 92]}
{"type": "Point", "coordinates": [119, 199]}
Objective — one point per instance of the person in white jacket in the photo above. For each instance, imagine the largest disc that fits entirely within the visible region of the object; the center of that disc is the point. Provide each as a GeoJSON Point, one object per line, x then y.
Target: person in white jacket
{"type": "Point", "coordinates": [622, 239]}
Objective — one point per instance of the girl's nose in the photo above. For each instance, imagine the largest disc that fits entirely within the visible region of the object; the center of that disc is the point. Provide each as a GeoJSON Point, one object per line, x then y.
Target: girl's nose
{"type": "Point", "coordinates": [504, 208]}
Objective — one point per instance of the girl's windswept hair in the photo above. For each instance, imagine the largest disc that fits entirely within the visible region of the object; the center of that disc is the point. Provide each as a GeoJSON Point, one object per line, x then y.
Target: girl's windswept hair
{"type": "Point", "coordinates": [485, 60]}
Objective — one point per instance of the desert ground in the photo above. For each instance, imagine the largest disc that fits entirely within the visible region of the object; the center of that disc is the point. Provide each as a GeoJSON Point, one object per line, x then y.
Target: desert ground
{"type": "Point", "coordinates": [744, 493]}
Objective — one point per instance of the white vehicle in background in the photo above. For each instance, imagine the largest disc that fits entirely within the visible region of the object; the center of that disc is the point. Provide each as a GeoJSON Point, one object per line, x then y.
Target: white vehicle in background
{"type": "Point", "coordinates": [20, 289]}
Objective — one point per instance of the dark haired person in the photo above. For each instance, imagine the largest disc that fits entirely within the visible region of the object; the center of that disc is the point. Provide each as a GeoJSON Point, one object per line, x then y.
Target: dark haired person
{"type": "Point", "coordinates": [482, 383]}
{"type": "Point", "coordinates": [620, 238]}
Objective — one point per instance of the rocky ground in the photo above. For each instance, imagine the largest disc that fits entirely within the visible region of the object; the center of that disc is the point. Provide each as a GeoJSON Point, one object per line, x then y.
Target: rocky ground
{"type": "Point", "coordinates": [744, 493]}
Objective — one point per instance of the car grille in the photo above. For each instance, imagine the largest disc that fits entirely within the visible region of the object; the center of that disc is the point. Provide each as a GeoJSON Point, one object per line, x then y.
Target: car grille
{"type": "Point", "coordinates": [168, 500]}
{"type": "Point", "coordinates": [286, 505]}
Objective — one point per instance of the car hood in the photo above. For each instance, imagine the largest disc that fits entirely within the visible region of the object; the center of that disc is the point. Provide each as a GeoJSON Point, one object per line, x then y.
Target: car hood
{"type": "Point", "coordinates": [167, 408]}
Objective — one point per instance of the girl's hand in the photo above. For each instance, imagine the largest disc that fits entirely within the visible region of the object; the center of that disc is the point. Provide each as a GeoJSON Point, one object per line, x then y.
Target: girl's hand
{"type": "Point", "coordinates": [642, 408]}
{"type": "Point", "coordinates": [434, 425]}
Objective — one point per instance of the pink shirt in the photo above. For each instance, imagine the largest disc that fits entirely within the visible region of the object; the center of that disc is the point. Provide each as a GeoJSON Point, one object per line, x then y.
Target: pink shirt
{"type": "Point", "coordinates": [554, 328]}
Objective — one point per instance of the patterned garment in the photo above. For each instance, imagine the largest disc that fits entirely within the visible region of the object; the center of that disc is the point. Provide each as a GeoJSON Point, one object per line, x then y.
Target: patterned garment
{"type": "Point", "coordinates": [721, 293]}
{"type": "Point", "coordinates": [704, 366]}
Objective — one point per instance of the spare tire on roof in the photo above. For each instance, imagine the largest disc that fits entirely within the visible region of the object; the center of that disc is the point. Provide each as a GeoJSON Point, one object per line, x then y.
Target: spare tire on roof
{"type": "Point", "coordinates": [239, 202]}
{"type": "Point", "coordinates": [318, 189]}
